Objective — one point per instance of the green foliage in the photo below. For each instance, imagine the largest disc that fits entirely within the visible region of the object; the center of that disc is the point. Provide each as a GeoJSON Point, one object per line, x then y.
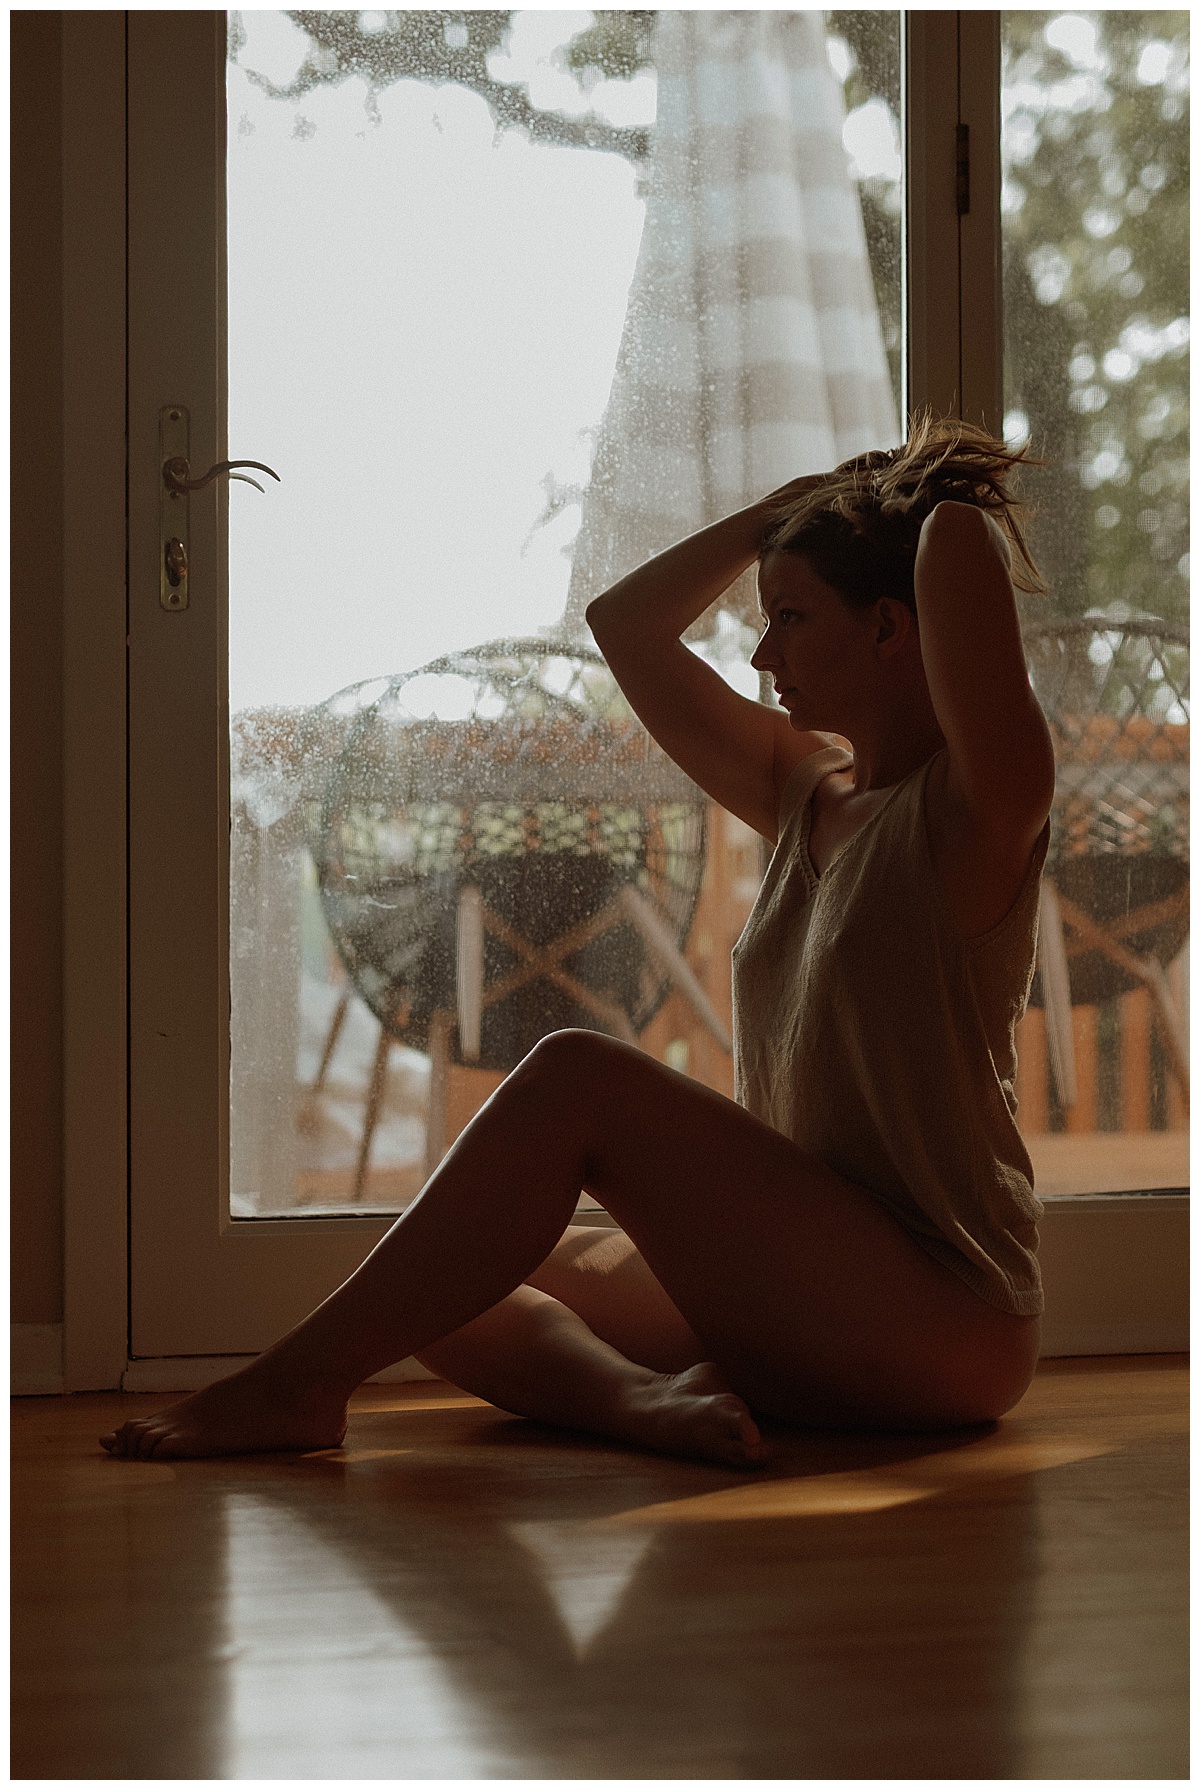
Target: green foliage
{"type": "Point", "coordinates": [618, 46]}
{"type": "Point", "coordinates": [447, 46]}
{"type": "Point", "coordinates": [1096, 296]}
{"type": "Point", "coordinates": [436, 46]}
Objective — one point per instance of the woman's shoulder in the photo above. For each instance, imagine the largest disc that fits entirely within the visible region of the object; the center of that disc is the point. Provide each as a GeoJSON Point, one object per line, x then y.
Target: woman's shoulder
{"type": "Point", "coordinates": [812, 756]}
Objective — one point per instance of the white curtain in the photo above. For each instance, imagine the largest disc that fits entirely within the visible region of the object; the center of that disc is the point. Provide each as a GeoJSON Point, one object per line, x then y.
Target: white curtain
{"type": "Point", "coordinates": [752, 351]}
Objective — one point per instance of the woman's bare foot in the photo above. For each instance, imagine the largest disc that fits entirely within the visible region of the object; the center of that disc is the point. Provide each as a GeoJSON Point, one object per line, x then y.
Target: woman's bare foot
{"type": "Point", "coordinates": [696, 1414]}
{"type": "Point", "coordinates": [249, 1413]}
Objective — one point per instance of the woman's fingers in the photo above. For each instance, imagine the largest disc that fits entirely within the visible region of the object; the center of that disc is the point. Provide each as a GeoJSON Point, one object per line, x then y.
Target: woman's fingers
{"type": "Point", "coordinates": [801, 487]}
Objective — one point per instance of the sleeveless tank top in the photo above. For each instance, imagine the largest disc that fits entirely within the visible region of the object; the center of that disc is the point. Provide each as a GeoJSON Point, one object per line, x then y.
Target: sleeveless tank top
{"type": "Point", "coordinates": [880, 1041]}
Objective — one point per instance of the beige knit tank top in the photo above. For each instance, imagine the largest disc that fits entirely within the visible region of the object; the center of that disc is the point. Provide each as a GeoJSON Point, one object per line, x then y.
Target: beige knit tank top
{"type": "Point", "coordinates": [868, 1031]}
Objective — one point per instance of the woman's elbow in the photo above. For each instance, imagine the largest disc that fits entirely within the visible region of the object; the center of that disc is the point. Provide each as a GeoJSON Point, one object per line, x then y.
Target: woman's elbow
{"type": "Point", "coordinates": [599, 617]}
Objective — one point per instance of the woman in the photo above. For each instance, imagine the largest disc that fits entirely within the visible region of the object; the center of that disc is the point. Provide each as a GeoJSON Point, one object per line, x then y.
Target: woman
{"type": "Point", "coordinates": [852, 1242]}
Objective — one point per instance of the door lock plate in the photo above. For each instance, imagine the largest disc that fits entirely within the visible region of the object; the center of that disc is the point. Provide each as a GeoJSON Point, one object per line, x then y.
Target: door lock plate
{"type": "Point", "coordinates": [173, 506]}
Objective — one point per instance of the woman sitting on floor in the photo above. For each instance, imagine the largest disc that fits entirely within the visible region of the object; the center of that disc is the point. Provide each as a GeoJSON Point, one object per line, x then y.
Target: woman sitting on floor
{"type": "Point", "coordinates": [852, 1241]}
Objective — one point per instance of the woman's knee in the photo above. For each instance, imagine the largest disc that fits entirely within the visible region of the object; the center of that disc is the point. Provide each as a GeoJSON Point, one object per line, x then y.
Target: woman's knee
{"type": "Point", "coordinates": [571, 1060]}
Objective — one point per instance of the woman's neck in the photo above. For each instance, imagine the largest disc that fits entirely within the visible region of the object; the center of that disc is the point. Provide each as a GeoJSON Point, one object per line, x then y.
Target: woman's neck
{"type": "Point", "coordinates": [884, 756]}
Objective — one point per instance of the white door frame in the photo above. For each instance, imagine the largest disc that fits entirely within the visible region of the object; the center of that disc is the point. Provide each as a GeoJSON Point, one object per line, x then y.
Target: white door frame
{"type": "Point", "coordinates": [952, 66]}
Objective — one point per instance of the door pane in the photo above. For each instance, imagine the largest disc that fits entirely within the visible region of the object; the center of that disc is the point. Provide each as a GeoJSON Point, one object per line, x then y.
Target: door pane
{"type": "Point", "coordinates": [1095, 207]}
{"type": "Point", "coordinates": [514, 300]}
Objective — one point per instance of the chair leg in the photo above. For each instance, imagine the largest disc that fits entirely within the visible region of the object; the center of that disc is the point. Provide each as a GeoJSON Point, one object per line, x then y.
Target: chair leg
{"type": "Point", "coordinates": [371, 1113]}
{"type": "Point", "coordinates": [307, 1117]}
{"type": "Point", "coordinates": [1170, 1025]}
{"type": "Point", "coordinates": [1149, 971]}
{"type": "Point", "coordinates": [439, 1056]}
{"type": "Point", "coordinates": [469, 971]}
{"type": "Point", "coordinates": [335, 1032]}
{"type": "Point", "coordinates": [1056, 995]}
{"type": "Point", "coordinates": [671, 961]}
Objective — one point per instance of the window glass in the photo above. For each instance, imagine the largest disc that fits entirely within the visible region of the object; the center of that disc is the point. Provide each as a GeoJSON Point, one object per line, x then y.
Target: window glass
{"type": "Point", "coordinates": [515, 299]}
{"type": "Point", "coordinates": [1095, 227]}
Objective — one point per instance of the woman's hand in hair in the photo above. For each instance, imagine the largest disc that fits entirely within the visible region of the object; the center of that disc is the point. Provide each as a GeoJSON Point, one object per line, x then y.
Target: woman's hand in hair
{"type": "Point", "coordinates": [778, 500]}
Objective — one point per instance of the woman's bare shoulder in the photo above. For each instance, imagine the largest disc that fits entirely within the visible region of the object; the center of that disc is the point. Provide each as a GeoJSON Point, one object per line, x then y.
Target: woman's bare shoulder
{"type": "Point", "coordinates": [793, 748]}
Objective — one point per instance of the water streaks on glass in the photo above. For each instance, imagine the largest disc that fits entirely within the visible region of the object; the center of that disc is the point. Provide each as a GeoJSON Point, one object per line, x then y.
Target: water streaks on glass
{"type": "Point", "coordinates": [439, 228]}
{"type": "Point", "coordinates": [1095, 209]}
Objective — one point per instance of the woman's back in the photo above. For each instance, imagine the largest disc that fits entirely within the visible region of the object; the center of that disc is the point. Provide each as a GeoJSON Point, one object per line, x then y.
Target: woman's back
{"type": "Point", "coordinates": [874, 1036]}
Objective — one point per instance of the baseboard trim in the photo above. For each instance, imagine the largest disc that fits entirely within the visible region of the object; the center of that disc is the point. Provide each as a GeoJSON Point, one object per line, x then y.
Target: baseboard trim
{"type": "Point", "coordinates": [35, 1360]}
{"type": "Point", "coordinates": [1115, 1270]}
{"type": "Point", "coordinates": [187, 1373]}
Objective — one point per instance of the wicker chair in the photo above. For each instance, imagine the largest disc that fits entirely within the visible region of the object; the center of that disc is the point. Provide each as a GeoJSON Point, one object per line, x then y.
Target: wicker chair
{"type": "Point", "coordinates": [1115, 895]}
{"type": "Point", "coordinates": [502, 851]}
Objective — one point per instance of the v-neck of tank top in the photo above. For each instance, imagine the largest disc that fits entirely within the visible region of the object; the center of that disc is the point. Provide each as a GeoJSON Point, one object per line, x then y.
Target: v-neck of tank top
{"type": "Point", "coordinates": [815, 876]}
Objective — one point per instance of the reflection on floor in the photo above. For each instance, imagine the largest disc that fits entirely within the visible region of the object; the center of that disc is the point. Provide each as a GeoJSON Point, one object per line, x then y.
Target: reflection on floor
{"type": "Point", "coordinates": [460, 1594]}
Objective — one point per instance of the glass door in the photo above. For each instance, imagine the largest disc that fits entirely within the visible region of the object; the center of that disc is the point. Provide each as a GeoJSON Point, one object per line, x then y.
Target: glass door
{"type": "Point", "coordinates": [1095, 235]}
{"type": "Point", "coordinates": [514, 300]}
{"type": "Point", "coordinates": [506, 302]}
{"type": "Point", "coordinates": [509, 301]}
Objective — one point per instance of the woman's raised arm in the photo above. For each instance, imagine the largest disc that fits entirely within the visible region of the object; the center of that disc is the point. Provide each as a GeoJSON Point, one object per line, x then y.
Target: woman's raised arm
{"type": "Point", "coordinates": [738, 751]}
{"type": "Point", "coordinates": [1000, 759]}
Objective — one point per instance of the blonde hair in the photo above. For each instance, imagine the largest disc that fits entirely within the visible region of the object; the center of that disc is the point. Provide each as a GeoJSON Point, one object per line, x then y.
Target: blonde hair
{"type": "Point", "coordinates": [860, 526]}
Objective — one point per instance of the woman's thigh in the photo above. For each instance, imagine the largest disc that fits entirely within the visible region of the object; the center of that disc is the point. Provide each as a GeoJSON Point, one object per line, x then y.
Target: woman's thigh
{"type": "Point", "coordinates": [600, 1274]}
{"type": "Point", "coordinates": [813, 1300]}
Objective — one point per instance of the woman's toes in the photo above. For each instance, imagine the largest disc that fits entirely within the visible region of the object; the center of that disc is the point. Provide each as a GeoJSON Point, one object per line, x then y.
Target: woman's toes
{"type": "Point", "coordinates": [131, 1439]}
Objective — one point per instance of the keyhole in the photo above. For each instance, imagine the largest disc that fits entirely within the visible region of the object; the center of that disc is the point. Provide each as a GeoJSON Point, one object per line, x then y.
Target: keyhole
{"type": "Point", "coordinates": [176, 562]}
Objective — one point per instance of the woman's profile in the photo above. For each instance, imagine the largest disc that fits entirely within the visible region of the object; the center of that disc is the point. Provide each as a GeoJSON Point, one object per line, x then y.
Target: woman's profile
{"type": "Point", "coordinates": [851, 1242]}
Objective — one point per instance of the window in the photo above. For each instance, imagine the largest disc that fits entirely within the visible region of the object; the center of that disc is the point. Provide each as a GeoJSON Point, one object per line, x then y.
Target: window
{"type": "Point", "coordinates": [1095, 233]}
{"type": "Point", "coordinates": [499, 283]}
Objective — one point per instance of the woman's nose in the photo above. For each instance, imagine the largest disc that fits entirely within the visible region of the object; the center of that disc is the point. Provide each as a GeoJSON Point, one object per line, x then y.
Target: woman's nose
{"type": "Point", "coordinates": [763, 655]}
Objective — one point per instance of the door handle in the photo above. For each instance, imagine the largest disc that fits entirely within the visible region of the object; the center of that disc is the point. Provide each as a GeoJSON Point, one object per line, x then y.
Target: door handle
{"type": "Point", "coordinates": [176, 474]}
{"type": "Point", "coordinates": [174, 491]}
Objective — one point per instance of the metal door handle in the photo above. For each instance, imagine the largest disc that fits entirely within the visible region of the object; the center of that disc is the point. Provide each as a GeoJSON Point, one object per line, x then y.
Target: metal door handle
{"type": "Point", "coordinates": [177, 481]}
{"type": "Point", "coordinates": [174, 492]}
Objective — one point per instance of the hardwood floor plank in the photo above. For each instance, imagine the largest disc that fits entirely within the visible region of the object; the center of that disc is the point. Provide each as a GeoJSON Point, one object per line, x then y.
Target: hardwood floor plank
{"type": "Point", "coordinates": [461, 1594]}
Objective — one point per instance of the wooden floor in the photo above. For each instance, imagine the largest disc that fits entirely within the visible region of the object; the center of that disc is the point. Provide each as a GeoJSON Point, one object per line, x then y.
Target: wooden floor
{"type": "Point", "coordinates": [460, 1594]}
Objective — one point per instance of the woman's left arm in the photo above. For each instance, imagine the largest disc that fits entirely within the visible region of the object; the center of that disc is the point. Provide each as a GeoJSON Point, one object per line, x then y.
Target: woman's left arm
{"type": "Point", "coordinates": [1000, 771]}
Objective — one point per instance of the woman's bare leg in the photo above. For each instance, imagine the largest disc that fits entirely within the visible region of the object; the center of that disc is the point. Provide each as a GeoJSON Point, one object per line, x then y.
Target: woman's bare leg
{"type": "Point", "coordinates": [536, 1357]}
{"type": "Point", "coordinates": [813, 1302]}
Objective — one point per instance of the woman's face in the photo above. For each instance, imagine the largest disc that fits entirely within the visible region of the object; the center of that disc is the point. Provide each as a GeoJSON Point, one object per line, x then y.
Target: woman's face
{"type": "Point", "coordinates": [821, 654]}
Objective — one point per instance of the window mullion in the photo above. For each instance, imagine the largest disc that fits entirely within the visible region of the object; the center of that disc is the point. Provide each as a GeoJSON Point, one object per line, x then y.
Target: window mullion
{"type": "Point", "coordinates": [953, 269]}
{"type": "Point", "coordinates": [981, 339]}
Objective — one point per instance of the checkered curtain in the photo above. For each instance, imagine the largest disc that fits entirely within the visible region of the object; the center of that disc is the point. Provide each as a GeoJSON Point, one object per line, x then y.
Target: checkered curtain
{"type": "Point", "coordinates": [752, 350]}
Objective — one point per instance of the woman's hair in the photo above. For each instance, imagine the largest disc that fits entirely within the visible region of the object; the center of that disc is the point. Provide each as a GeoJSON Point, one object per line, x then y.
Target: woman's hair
{"type": "Point", "coordinates": [860, 526]}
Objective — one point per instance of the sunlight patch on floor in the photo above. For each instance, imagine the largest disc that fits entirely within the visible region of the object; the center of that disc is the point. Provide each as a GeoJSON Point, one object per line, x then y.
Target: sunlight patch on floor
{"type": "Point", "coordinates": [321, 1668]}
{"type": "Point", "coordinates": [586, 1568]}
{"type": "Point", "coordinates": [866, 1489]}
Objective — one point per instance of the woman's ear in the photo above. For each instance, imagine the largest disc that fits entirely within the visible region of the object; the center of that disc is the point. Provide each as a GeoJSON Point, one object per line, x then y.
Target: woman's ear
{"type": "Point", "coordinates": [894, 625]}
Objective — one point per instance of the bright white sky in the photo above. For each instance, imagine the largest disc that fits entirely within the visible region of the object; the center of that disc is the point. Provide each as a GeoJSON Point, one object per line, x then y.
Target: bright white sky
{"type": "Point", "coordinates": [424, 322]}
{"type": "Point", "coordinates": [424, 317]}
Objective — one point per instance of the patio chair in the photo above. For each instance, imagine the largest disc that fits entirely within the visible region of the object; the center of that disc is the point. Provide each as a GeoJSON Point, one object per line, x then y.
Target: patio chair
{"type": "Point", "coordinates": [1114, 906]}
{"type": "Point", "coordinates": [502, 851]}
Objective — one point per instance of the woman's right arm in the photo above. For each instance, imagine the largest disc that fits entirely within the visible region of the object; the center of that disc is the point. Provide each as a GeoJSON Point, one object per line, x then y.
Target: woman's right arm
{"type": "Point", "coordinates": [738, 751]}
